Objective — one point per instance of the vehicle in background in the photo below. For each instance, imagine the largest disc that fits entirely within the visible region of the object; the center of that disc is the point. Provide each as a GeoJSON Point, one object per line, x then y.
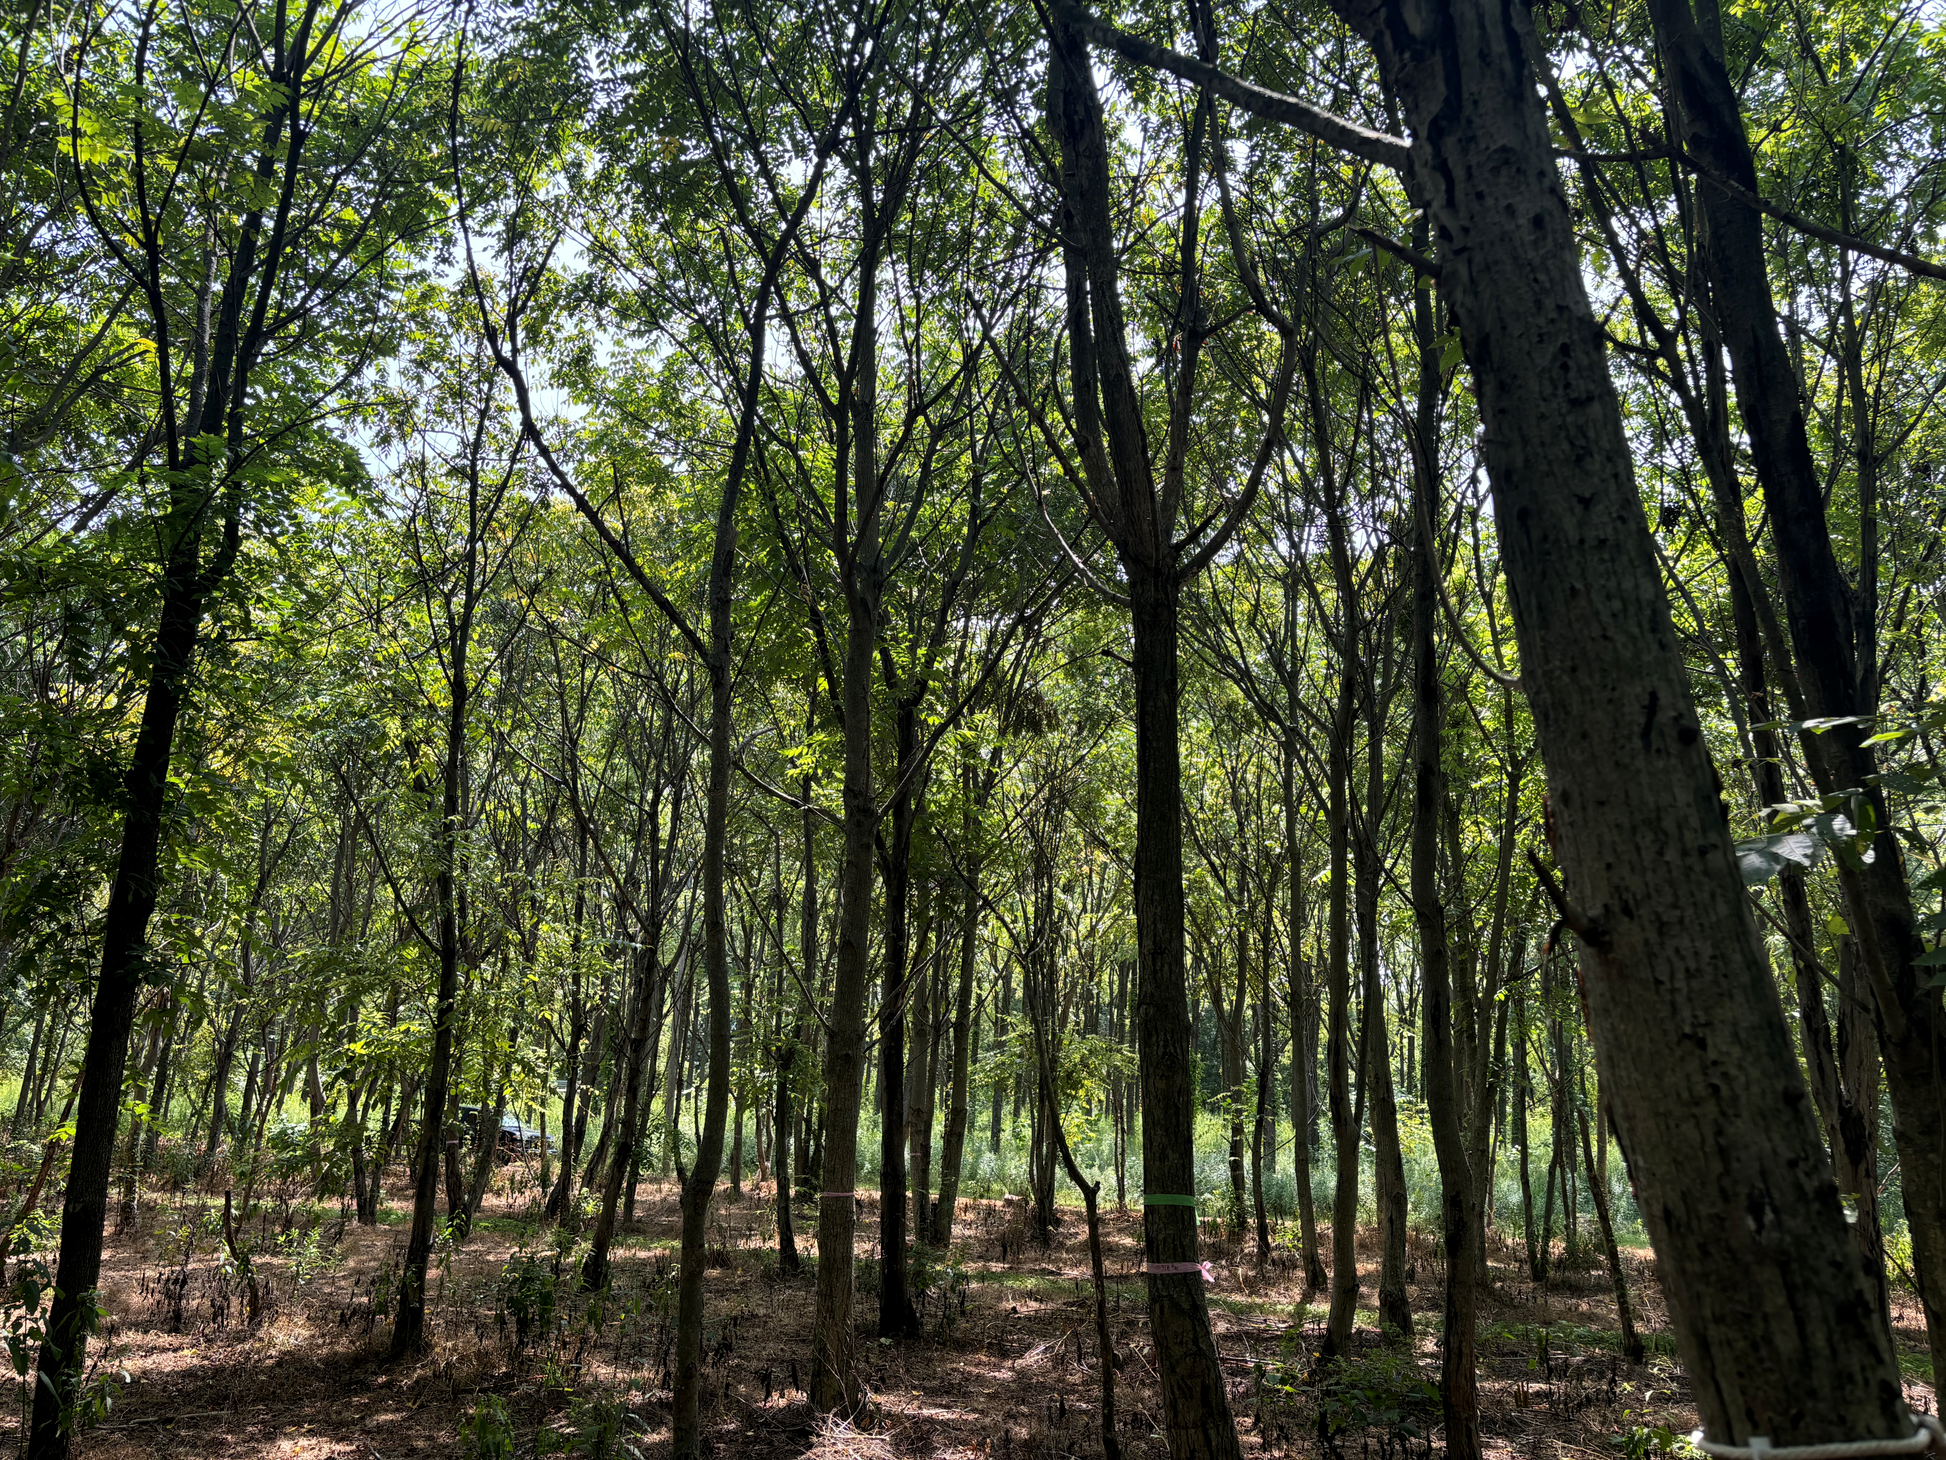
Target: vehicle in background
{"type": "Point", "coordinates": [516, 1138]}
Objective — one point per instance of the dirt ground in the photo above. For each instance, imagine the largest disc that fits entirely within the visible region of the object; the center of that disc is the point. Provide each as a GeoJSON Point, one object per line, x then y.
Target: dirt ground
{"type": "Point", "coordinates": [1008, 1366]}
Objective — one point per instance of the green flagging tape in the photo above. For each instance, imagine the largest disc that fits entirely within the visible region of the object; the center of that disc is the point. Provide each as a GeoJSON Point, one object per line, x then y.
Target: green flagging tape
{"type": "Point", "coordinates": [1150, 1199]}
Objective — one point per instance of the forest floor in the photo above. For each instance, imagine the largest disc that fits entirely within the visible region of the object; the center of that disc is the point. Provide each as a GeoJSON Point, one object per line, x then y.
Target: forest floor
{"type": "Point", "coordinates": [1007, 1366]}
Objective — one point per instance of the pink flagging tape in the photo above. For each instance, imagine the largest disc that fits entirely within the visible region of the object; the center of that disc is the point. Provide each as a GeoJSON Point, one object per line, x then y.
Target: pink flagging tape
{"type": "Point", "coordinates": [1179, 1269]}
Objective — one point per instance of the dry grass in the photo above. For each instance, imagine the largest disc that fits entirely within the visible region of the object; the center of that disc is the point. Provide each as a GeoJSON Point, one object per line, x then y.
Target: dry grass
{"type": "Point", "coordinates": [1008, 1366]}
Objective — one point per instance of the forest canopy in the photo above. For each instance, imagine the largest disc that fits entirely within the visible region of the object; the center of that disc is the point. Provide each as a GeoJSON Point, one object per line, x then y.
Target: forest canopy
{"type": "Point", "coordinates": [1223, 623]}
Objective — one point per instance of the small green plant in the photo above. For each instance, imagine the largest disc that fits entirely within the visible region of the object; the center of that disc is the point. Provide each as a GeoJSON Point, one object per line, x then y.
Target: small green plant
{"type": "Point", "coordinates": [596, 1429]}
{"type": "Point", "coordinates": [309, 1254]}
{"type": "Point", "coordinates": [1647, 1442]}
{"type": "Point", "coordinates": [488, 1432]}
{"type": "Point", "coordinates": [24, 1308]}
{"type": "Point", "coordinates": [527, 1288]}
{"type": "Point", "coordinates": [1384, 1390]}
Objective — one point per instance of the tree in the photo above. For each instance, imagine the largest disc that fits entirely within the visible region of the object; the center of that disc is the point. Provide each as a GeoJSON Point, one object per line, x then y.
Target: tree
{"type": "Point", "coordinates": [295, 110]}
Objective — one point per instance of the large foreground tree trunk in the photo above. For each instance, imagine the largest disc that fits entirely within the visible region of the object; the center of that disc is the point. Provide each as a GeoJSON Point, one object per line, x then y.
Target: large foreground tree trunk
{"type": "Point", "coordinates": [1777, 1322]}
{"type": "Point", "coordinates": [1837, 671]}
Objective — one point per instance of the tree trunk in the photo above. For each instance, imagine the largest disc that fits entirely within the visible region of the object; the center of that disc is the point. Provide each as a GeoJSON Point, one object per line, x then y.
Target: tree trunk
{"type": "Point", "coordinates": [1855, 1149]}
{"type": "Point", "coordinates": [645, 995]}
{"type": "Point", "coordinates": [1691, 1043]}
{"type": "Point", "coordinates": [807, 957]}
{"type": "Point", "coordinates": [1536, 1254]}
{"type": "Point", "coordinates": [1337, 1051]}
{"type": "Point", "coordinates": [1229, 1025]}
{"type": "Point", "coordinates": [29, 1074]}
{"type": "Point", "coordinates": [834, 1381]}
{"type": "Point", "coordinates": [1458, 1374]}
{"type": "Point", "coordinates": [1266, 1073]}
{"type": "Point", "coordinates": [220, 1085]}
{"type": "Point", "coordinates": [1195, 1404]}
{"type": "Point", "coordinates": [953, 1150]}
{"type": "Point", "coordinates": [125, 928]}
{"type": "Point", "coordinates": [896, 1318]}
{"type": "Point", "coordinates": [408, 1328]}
{"type": "Point", "coordinates": [1837, 672]}
{"type": "Point", "coordinates": [923, 1078]}
{"type": "Point", "coordinates": [1388, 1161]}
{"type": "Point", "coordinates": [698, 1190]}
{"type": "Point", "coordinates": [1632, 1348]}
{"type": "Point", "coordinates": [486, 1155]}
{"type": "Point", "coordinates": [1002, 1009]}
{"type": "Point", "coordinates": [1303, 1000]}
{"type": "Point", "coordinates": [560, 1193]}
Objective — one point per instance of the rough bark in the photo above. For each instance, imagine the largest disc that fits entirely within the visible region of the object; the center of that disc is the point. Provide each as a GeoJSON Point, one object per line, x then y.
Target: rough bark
{"type": "Point", "coordinates": [1196, 1407]}
{"type": "Point", "coordinates": [1837, 671]}
{"type": "Point", "coordinates": [1690, 1039]}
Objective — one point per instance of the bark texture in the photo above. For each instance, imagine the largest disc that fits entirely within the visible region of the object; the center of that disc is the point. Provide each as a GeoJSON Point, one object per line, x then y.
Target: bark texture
{"type": "Point", "coordinates": [1776, 1321]}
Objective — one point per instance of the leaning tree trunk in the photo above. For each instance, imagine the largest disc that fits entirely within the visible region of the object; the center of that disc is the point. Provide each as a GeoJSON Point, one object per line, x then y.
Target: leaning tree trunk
{"type": "Point", "coordinates": [1632, 1348]}
{"type": "Point", "coordinates": [1690, 1038]}
{"type": "Point", "coordinates": [1837, 672]}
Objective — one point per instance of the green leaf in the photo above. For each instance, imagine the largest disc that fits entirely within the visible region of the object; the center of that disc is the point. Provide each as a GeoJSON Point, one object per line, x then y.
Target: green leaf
{"type": "Point", "coordinates": [1762, 858]}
